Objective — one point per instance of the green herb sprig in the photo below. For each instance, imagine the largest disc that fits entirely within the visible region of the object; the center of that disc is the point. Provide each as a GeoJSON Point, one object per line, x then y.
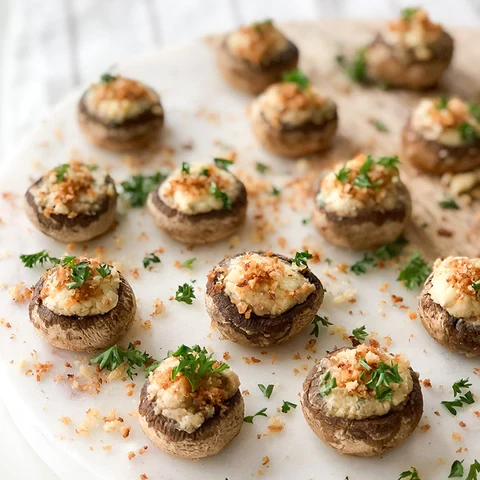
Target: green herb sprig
{"type": "Point", "coordinates": [415, 272]}
{"type": "Point", "coordinates": [301, 258]}
{"type": "Point", "coordinates": [298, 77]}
{"type": "Point", "coordinates": [189, 263]}
{"type": "Point", "coordinates": [322, 320]}
{"type": "Point", "coordinates": [361, 266]}
{"type": "Point", "coordinates": [221, 195]}
{"type": "Point", "coordinates": [410, 474]}
{"type": "Point", "coordinates": [61, 171]}
{"type": "Point", "coordinates": [460, 398]}
{"type": "Point", "coordinates": [328, 384]}
{"type": "Point", "coordinates": [449, 204]}
{"type": "Point", "coordinates": [360, 333]}
{"type": "Point", "coordinates": [137, 187]}
{"type": "Point", "coordinates": [266, 390]}
{"type": "Point", "coordinates": [287, 406]}
{"type": "Point", "coordinates": [149, 259]}
{"type": "Point", "coordinates": [468, 132]}
{"type": "Point", "coordinates": [379, 125]}
{"type": "Point", "coordinates": [31, 260]}
{"type": "Point", "coordinates": [107, 78]}
{"type": "Point", "coordinates": [381, 378]}
{"type": "Point", "coordinates": [223, 163]}
{"type": "Point", "coordinates": [476, 287]}
{"type": "Point", "coordinates": [185, 293]}
{"type": "Point", "coordinates": [456, 470]}
{"type": "Point", "coordinates": [356, 68]}
{"type": "Point", "coordinates": [408, 13]}
{"type": "Point", "coordinates": [261, 167]}
{"type": "Point", "coordinates": [260, 413]}
{"type": "Point", "coordinates": [473, 471]}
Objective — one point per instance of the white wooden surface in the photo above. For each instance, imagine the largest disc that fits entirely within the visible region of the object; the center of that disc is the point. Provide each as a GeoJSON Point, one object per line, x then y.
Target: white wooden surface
{"type": "Point", "coordinates": [48, 47]}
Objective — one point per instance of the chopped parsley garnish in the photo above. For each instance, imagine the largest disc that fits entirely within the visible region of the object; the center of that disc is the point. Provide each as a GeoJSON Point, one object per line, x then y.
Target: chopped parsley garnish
{"type": "Point", "coordinates": [342, 174]}
{"type": "Point", "coordinates": [356, 68]}
{"type": "Point", "coordinates": [298, 77]}
{"type": "Point", "coordinates": [391, 250]}
{"type": "Point", "coordinates": [457, 387]}
{"type": "Point", "coordinates": [287, 406]}
{"type": "Point", "coordinates": [474, 109]}
{"type": "Point", "coordinates": [389, 162]}
{"type": "Point", "coordinates": [408, 13]}
{"type": "Point", "coordinates": [379, 125]}
{"type": "Point", "coordinates": [323, 321]}
{"type": "Point", "coordinates": [104, 270]}
{"type": "Point", "coordinates": [456, 470]}
{"type": "Point", "coordinates": [258, 25]}
{"type": "Point", "coordinates": [306, 220]}
{"type": "Point", "coordinates": [361, 266]}
{"type": "Point", "coordinates": [449, 204]}
{"type": "Point", "coordinates": [61, 171]}
{"type": "Point", "coordinates": [301, 258]}
{"type": "Point", "coordinates": [381, 378]}
{"type": "Point", "coordinates": [80, 274]}
{"type": "Point", "coordinates": [137, 187]}
{"type": "Point", "coordinates": [221, 195]}
{"type": "Point", "coordinates": [362, 180]}
{"type": "Point", "coordinates": [467, 132]}
{"type": "Point", "coordinates": [33, 259]}
{"type": "Point", "coordinates": [266, 390]}
{"type": "Point", "coordinates": [261, 167]}
{"type": "Point", "coordinates": [195, 363]}
{"type": "Point", "coordinates": [107, 78]}
{"type": "Point", "coordinates": [151, 367]}
{"type": "Point", "coordinates": [476, 286]}
{"type": "Point", "coordinates": [328, 383]}
{"type": "Point", "coordinates": [465, 399]}
{"type": "Point", "coordinates": [91, 167]}
{"type": "Point", "coordinates": [473, 470]}
{"type": "Point", "coordinates": [360, 333]}
{"type": "Point", "coordinates": [415, 272]}
{"type": "Point", "coordinates": [186, 168]}
{"type": "Point", "coordinates": [205, 172]}
{"type": "Point", "coordinates": [442, 103]}
{"type": "Point", "coordinates": [260, 413]}
{"type": "Point", "coordinates": [150, 258]}
{"type": "Point", "coordinates": [189, 263]}
{"type": "Point", "coordinates": [364, 364]}
{"type": "Point", "coordinates": [275, 192]}
{"type": "Point", "coordinates": [185, 293]}
{"type": "Point", "coordinates": [115, 356]}
{"type": "Point", "coordinates": [223, 163]}
{"type": "Point", "coordinates": [410, 474]}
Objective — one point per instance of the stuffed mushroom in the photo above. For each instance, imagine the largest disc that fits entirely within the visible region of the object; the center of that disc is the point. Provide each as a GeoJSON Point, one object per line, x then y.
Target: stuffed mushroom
{"type": "Point", "coordinates": [443, 135]}
{"type": "Point", "coordinates": [449, 305]}
{"type": "Point", "coordinates": [255, 56]}
{"type": "Point", "coordinates": [411, 52]}
{"type": "Point", "coordinates": [82, 305]}
{"type": "Point", "coordinates": [190, 414]}
{"type": "Point", "coordinates": [261, 298]}
{"type": "Point", "coordinates": [362, 205]}
{"type": "Point", "coordinates": [120, 114]}
{"type": "Point", "coordinates": [293, 118]}
{"type": "Point", "coordinates": [74, 202]}
{"type": "Point", "coordinates": [361, 401]}
{"type": "Point", "coordinates": [199, 203]}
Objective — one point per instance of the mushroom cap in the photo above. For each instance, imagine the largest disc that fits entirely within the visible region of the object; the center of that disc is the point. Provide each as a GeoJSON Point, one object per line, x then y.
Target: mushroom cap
{"type": "Point", "coordinates": [295, 141]}
{"type": "Point", "coordinates": [459, 335]}
{"type": "Point", "coordinates": [260, 331]}
{"type": "Point", "coordinates": [435, 157]}
{"type": "Point", "coordinates": [369, 229]}
{"type": "Point", "coordinates": [77, 229]}
{"type": "Point", "coordinates": [131, 134]}
{"type": "Point", "coordinates": [251, 78]}
{"type": "Point", "coordinates": [214, 435]}
{"type": "Point", "coordinates": [200, 228]}
{"type": "Point", "coordinates": [398, 67]}
{"type": "Point", "coordinates": [363, 438]}
{"type": "Point", "coordinates": [88, 333]}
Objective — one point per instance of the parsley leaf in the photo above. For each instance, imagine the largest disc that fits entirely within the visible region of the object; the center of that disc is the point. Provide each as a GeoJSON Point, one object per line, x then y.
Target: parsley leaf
{"type": "Point", "coordinates": [408, 13]}
{"type": "Point", "coordinates": [104, 270]}
{"type": "Point", "coordinates": [275, 192]}
{"type": "Point", "coordinates": [186, 168]}
{"type": "Point", "coordinates": [466, 399]}
{"type": "Point", "coordinates": [328, 384]}
{"type": "Point", "coordinates": [221, 195]}
{"type": "Point", "coordinates": [472, 472]}
{"type": "Point", "coordinates": [476, 287]}
{"type": "Point", "coordinates": [415, 272]}
{"type": "Point", "coordinates": [287, 406]}
{"type": "Point", "coordinates": [474, 109]}
{"type": "Point", "coordinates": [137, 187]}
{"type": "Point", "coordinates": [150, 258]}
{"type": "Point", "coordinates": [379, 125]}
{"type": "Point", "coordinates": [410, 474]}
{"type": "Point", "coordinates": [195, 363]}
{"type": "Point", "coordinates": [185, 293]}
{"type": "Point", "coordinates": [260, 413]}
{"type": "Point", "coordinates": [323, 321]}
{"type": "Point", "coordinates": [467, 132]}
{"type": "Point", "coordinates": [107, 78]}
{"type": "Point", "coordinates": [32, 259]}
{"type": "Point", "coordinates": [389, 162]}
{"type": "Point", "coordinates": [442, 103]}
{"type": "Point", "coordinates": [298, 77]}
{"type": "Point", "coordinates": [456, 469]}
{"type": "Point", "coordinates": [61, 171]}
{"type": "Point", "coordinates": [391, 250]}
{"type": "Point", "coordinates": [80, 274]}
{"type": "Point", "coordinates": [267, 391]}
{"type": "Point", "coordinates": [189, 263]}
{"type": "Point", "coordinates": [301, 258]}
{"type": "Point", "coordinates": [452, 405]}
{"type": "Point", "coordinates": [361, 266]}
{"type": "Point", "coordinates": [458, 386]}
{"type": "Point", "coordinates": [360, 333]}
{"type": "Point", "coordinates": [342, 174]}
{"type": "Point", "coordinates": [258, 25]}
{"type": "Point", "coordinates": [381, 378]}
{"type": "Point", "coordinates": [261, 167]}
{"type": "Point", "coordinates": [364, 364]}
{"type": "Point", "coordinates": [449, 204]}
{"type": "Point", "coordinates": [356, 68]}
{"type": "Point", "coordinates": [223, 163]}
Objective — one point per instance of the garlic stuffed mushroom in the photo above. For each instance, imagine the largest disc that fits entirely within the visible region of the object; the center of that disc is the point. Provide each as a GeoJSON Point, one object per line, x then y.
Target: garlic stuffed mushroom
{"type": "Point", "coordinates": [199, 203]}
{"type": "Point", "coordinates": [261, 298]}
{"type": "Point", "coordinates": [82, 305]}
{"type": "Point", "coordinates": [292, 118]}
{"type": "Point", "coordinates": [443, 135]}
{"type": "Point", "coordinates": [361, 401]}
{"type": "Point", "coordinates": [411, 52]}
{"type": "Point", "coordinates": [449, 305]}
{"type": "Point", "coordinates": [120, 114]}
{"type": "Point", "coordinates": [363, 204]}
{"type": "Point", "coordinates": [191, 405]}
{"type": "Point", "coordinates": [255, 56]}
{"type": "Point", "coordinates": [73, 202]}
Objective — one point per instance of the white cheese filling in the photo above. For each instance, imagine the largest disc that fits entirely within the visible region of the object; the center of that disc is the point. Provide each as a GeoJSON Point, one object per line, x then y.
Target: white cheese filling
{"type": "Point", "coordinates": [176, 401]}
{"type": "Point", "coordinates": [452, 286]}
{"type": "Point", "coordinates": [350, 399]}
{"type": "Point", "coordinates": [102, 296]}
{"type": "Point", "coordinates": [265, 285]}
{"type": "Point", "coordinates": [190, 192]}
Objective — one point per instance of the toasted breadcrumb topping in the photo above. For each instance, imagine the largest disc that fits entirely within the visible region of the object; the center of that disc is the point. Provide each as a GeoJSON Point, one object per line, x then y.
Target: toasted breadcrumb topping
{"type": "Point", "coordinates": [72, 190]}
{"type": "Point", "coordinates": [263, 284]}
{"type": "Point", "coordinates": [441, 124]}
{"type": "Point", "coordinates": [259, 43]}
{"type": "Point", "coordinates": [98, 295]}
{"type": "Point", "coordinates": [287, 104]}
{"type": "Point", "coordinates": [190, 192]}
{"type": "Point", "coordinates": [347, 199]}
{"type": "Point", "coordinates": [175, 400]}
{"type": "Point", "coordinates": [120, 99]}
{"type": "Point", "coordinates": [452, 286]}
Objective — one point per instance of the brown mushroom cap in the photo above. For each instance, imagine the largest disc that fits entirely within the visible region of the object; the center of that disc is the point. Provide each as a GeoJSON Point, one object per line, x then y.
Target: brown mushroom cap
{"type": "Point", "coordinates": [459, 335]}
{"type": "Point", "coordinates": [292, 140]}
{"type": "Point", "coordinates": [370, 228]}
{"type": "Point", "coordinates": [202, 227]}
{"type": "Point", "coordinates": [398, 67]}
{"type": "Point", "coordinates": [363, 438]}
{"type": "Point", "coordinates": [80, 228]}
{"type": "Point", "coordinates": [131, 134]}
{"type": "Point", "coordinates": [88, 333]}
{"type": "Point", "coordinates": [435, 157]}
{"type": "Point", "coordinates": [251, 78]}
{"type": "Point", "coordinates": [260, 331]}
{"type": "Point", "coordinates": [214, 435]}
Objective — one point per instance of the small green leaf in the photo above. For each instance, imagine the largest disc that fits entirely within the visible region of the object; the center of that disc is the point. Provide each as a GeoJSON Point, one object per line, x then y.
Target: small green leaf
{"type": "Point", "coordinates": [260, 413]}
{"type": "Point", "coordinates": [301, 258]}
{"type": "Point", "coordinates": [189, 263]}
{"type": "Point", "coordinates": [441, 103]}
{"type": "Point", "coordinates": [107, 78]}
{"type": "Point", "coordinates": [275, 192]}
{"type": "Point", "coordinates": [104, 270]}
{"type": "Point", "coordinates": [328, 384]}
{"type": "Point", "coordinates": [266, 390]}
{"type": "Point", "coordinates": [221, 195]}
{"type": "Point", "coordinates": [298, 77]}
{"type": "Point", "coordinates": [261, 167]}
{"type": "Point", "coordinates": [150, 258]}
{"type": "Point", "coordinates": [287, 406]}
{"type": "Point", "coordinates": [380, 126]}
{"type": "Point", "coordinates": [415, 272]}
{"type": "Point", "coordinates": [342, 175]}
{"type": "Point", "coordinates": [185, 293]}
{"type": "Point", "coordinates": [186, 168]}
{"type": "Point", "coordinates": [468, 133]}
{"type": "Point", "coordinates": [456, 470]}
{"type": "Point", "coordinates": [223, 163]}
{"type": "Point", "coordinates": [360, 333]}
{"type": "Point", "coordinates": [408, 13]}
{"type": "Point", "coordinates": [449, 204]}
{"type": "Point", "coordinates": [61, 171]}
